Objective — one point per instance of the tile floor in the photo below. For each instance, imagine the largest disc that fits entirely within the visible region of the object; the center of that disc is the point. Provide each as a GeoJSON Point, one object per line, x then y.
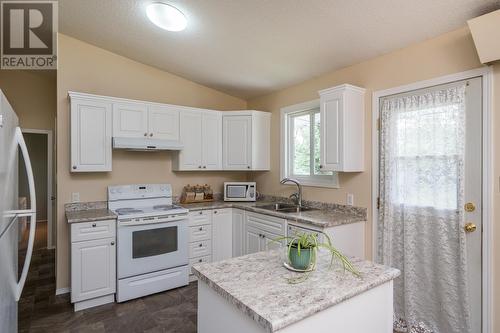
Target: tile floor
{"type": "Point", "coordinates": [41, 311]}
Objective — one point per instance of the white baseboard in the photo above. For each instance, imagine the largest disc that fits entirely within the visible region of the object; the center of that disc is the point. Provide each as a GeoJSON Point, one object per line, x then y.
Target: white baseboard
{"type": "Point", "coordinates": [62, 291]}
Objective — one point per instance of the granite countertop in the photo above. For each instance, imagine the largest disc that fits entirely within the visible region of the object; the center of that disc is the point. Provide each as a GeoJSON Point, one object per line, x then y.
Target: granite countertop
{"type": "Point", "coordinates": [88, 212]}
{"type": "Point", "coordinates": [256, 285]}
{"type": "Point", "coordinates": [324, 216]}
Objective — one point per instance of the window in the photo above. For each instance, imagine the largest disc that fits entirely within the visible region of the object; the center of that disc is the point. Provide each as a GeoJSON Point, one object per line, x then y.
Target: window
{"type": "Point", "coordinates": [301, 145]}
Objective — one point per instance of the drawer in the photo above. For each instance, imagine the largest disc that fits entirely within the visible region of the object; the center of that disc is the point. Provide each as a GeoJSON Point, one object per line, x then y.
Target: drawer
{"type": "Point", "coordinates": [200, 232]}
{"type": "Point", "coordinates": [200, 217]}
{"type": "Point", "coordinates": [93, 230]}
{"type": "Point", "coordinates": [200, 249]}
{"type": "Point", "coordinates": [267, 223]}
{"type": "Point", "coordinates": [193, 261]}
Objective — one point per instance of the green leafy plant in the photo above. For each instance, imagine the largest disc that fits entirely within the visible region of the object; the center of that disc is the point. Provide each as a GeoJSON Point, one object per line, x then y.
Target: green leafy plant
{"type": "Point", "coordinates": [301, 242]}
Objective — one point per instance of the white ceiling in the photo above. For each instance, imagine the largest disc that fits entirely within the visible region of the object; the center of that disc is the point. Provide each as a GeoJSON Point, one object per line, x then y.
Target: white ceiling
{"type": "Point", "coordinates": [249, 48]}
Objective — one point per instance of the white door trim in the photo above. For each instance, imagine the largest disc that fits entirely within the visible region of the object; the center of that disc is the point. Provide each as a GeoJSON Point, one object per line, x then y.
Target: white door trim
{"type": "Point", "coordinates": [50, 241]}
{"type": "Point", "coordinates": [488, 188]}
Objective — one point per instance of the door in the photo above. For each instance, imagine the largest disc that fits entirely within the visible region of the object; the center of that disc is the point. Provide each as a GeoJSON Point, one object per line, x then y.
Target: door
{"type": "Point", "coordinates": [93, 269]}
{"type": "Point", "coordinates": [143, 248]}
{"type": "Point", "coordinates": [429, 222]}
{"type": "Point", "coordinates": [252, 240]}
{"type": "Point", "coordinates": [237, 142]}
{"type": "Point", "coordinates": [190, 157]}
{"type": "Point", "coordinates": [130, 120]}
{"type": "Point", "coordinates": [331, 127]}
{"type": "Point", "coordinates": [222, 234]}
{"type": "Point", "coordinates": [212, 140]}
{"type": "Point", "coordinates": [238, 243]}
{"type": "Point", "coordinates": [90, 135]}
{"type": "Point", "coordinates": [163, 122]}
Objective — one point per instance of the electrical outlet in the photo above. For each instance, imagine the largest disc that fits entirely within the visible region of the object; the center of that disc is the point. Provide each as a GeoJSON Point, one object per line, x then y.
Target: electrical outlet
{"type": "Point", "coordinates": [75, 197]}
{"type": "Point", "coordinates": [350, 199]}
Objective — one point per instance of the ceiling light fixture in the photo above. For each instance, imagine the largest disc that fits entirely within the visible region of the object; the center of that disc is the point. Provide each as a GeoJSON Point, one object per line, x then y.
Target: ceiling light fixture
{"type": "Point", "coordinates": [166, 16]}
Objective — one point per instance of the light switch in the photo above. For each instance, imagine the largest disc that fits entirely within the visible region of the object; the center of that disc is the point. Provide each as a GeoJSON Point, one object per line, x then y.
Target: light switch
{"type": "Point", "coordinates": [350, 199]}
{"type": "Point", "coordinates": [75, 197]}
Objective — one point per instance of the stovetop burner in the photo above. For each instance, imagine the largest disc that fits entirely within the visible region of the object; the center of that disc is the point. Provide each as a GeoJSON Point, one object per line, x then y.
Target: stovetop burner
{"type": "Point", "coordinates": [165, 207]}
{"type": "Point", "coordinates": [125, 211]}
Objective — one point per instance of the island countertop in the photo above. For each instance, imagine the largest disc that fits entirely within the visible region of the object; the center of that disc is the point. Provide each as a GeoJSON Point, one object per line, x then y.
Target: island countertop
{"type": "Point", "coordinates": [256, 285]}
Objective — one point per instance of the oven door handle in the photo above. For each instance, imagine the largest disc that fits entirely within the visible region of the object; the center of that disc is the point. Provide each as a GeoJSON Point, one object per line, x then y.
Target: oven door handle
{"type": "Point", "coordinates": [147, 222]}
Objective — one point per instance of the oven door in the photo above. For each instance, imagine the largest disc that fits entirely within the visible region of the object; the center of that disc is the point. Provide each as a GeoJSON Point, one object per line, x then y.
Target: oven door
{"type": "Point", "coordinates": [151, 247]}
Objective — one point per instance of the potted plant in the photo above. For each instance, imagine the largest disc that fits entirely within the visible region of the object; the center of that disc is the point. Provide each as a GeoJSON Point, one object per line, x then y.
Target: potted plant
{"type": "Point", "coordinates": [301, 253]}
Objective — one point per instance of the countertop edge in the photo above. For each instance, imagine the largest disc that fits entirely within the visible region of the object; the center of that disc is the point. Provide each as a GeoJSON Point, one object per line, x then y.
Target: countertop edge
{"type": "Point", "coordinates": [89, 215]}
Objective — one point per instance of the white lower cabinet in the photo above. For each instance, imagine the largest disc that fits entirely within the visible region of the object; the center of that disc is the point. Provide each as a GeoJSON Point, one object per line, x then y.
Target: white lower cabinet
{"type": "Point", "coordinates": [261, 232]}
{"type": "Point", "coordinates": [222, 234]}
{"type": "Point", "coordinates": [200, 238]}
{"type": "Point", "coordinates": [93, 265]}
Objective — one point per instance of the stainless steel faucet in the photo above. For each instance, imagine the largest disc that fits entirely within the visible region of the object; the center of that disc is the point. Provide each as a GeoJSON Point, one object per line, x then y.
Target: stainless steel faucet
{"type": "Point", "coordinates": [298, 195]}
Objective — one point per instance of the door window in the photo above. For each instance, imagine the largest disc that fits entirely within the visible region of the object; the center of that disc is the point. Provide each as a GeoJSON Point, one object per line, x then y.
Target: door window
{"type": "Point", "coordinates": [153, 242]}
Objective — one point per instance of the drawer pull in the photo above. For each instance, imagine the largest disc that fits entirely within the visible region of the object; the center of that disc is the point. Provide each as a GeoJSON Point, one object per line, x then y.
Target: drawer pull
{"type": "Point", "coordinates": [112, 243]}
{"type": "Point", "coordinates": [200, 260]}
{"type": "Point", "coordinates": [94, 225]}
{"type": "Point", "coordinates": [201, 229]}
{"type": "Point", "coordinates": [201, 212]}
{"type": "Point", "coordinates": [201, 245]}
{"type": "Point", "coordinates": [215, 212]}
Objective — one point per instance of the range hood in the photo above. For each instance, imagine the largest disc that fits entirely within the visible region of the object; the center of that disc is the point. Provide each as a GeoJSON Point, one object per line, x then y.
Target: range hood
{"type": "Point", "coordinates": [146, 144]}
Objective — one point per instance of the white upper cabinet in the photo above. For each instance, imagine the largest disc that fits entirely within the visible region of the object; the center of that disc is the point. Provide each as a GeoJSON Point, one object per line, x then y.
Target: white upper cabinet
{"type": "Point", "coordinates": [130, 120]}
{"type": "Point", "coordinates": [201, 134]}
{"type": "Point", "coordinates": [246, 140]}
{"type": "Point", "coordinates": [163, 122]}
{"type": "Point", "coordinates": [137, 120]}
{"type": "Point", "coordinates": [90, 134]}
{"type": "Point", "coordinates": [342, 128]}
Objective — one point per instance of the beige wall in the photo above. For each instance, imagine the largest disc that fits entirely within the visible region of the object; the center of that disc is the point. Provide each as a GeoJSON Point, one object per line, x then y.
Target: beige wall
{"type": "Point", "coordinates": [450, 53]}
{"type": "Point", "coordinates": [86, 68]}
{"type": "Point", "coordinates": [32, 94]}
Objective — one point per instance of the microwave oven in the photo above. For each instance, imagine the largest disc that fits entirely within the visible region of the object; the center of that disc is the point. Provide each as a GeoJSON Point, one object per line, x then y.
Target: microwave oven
{"type": "Point", "coordinates": [240, 191]}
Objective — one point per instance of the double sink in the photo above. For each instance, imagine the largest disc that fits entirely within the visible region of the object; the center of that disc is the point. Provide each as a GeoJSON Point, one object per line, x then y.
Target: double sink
{"type": "Point", "coordinates": [285, 208]}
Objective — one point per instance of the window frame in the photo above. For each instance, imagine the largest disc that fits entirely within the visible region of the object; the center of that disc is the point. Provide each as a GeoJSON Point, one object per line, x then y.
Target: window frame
{"type": "Point", "coordinates": [286, 147]}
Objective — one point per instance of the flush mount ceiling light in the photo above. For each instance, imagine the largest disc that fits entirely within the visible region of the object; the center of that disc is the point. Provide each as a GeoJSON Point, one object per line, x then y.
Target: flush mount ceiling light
{"type": "Point", "coordinates": [166, 16]}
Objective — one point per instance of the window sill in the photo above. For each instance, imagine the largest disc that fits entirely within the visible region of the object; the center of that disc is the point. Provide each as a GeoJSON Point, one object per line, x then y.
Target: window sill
{"type": "Point", "coordinates": [309, 183]}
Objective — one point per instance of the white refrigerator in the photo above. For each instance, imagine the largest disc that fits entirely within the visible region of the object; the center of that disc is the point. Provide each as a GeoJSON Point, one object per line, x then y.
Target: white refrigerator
{"type": "Point", "coordinates": [11, 143]}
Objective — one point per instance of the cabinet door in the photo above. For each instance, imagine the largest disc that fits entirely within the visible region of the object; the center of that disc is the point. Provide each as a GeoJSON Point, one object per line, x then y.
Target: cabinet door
{"type": "Point", "coordinates": [238, 243]}
{"type": "Point", "coordinates": [130, 120]}
{"type": "Point", "coordinates": [222, 234]}
{"type": "Point", "coordinates": [253, 238]}
{"type": "Point", "coordinates": [269, 241]}
{"type": "Point", "coordinates": [163, 122]}
{"type": "Point", "coordinates": [237, 142]}
{"type": "Point", "coordinates": [90, 135]}
{"type": "Point", "coordinates": [190, 157]}
{"type": "Point", "coordinates": [331, 131]}
{"type": "Point", "coordinates": [212, 140]}
{"type": "Point", "coordinates": [93, 271]}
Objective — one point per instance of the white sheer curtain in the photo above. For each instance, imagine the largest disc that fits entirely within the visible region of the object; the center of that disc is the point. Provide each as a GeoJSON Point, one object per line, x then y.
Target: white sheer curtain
{"type": "Point", "coordinates": [420, 219]}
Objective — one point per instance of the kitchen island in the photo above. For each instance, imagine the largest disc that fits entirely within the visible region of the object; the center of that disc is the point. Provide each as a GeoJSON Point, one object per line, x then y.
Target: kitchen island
{"type": "Point", "coordinates": [252, 294]}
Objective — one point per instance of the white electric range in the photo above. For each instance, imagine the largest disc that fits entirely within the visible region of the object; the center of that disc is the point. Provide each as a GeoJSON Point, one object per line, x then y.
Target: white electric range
{"type": "Point", "coordinates": [152, 239]}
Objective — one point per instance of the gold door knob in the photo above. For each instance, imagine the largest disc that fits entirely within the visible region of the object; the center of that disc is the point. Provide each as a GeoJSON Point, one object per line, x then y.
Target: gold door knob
{"type": "Point", "coordinates": [469, 207]}
{"type": "Point", "coordinates": [470, 227]}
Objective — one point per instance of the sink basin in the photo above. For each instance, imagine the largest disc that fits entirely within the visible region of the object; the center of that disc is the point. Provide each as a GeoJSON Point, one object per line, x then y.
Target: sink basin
{"type": "Point", "coordinates": [285, 208]}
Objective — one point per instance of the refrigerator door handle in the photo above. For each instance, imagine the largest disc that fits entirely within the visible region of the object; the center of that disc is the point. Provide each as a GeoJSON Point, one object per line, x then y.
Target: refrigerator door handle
{"type": "Point", "coordinates": [31, 212]}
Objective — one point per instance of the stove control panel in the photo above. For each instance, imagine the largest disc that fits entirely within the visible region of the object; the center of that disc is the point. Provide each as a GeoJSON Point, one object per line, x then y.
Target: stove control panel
{"type": "Point", "coordinates": [139, 191]}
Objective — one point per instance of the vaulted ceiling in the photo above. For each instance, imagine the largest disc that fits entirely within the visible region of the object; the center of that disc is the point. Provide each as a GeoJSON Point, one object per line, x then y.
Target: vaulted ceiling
{"type": "Point", "coordinates": [248, 48]}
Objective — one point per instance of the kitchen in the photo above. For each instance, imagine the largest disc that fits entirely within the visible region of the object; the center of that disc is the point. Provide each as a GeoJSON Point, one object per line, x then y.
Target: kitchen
{"type": "Point", "coordinates": [136, 140]}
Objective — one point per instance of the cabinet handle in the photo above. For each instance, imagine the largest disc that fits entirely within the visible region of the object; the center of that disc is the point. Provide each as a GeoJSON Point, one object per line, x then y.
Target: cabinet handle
{"type": "Point", "coordinates": [215, 212]}
{"type": "Point", "coordinates": [248, 167]}
{"type": "Point", "coordinates": [150, 134]}
{"type": "Point", "coordinates": [94, 225]}
{"type": "Point", "coordinates": [200, 260]}
{"type": "Point", "coordinates": [320, 166]}
{"type": "Point", "coordinates": [201, 229]}
{"type": "Point", "coordinates": [74, 167]}
{"type": "Point", "coordinates": [112, 243]}
{"type": "Point", "coordinates": [200, 245]}
{"type": "Point", "coordinates": [199, 166]}
{"type": "Point", "coordinates": [145, 134]}
{"type": "Point", "coordinates": [204, 167]}
{"type": "Point", "coordinates": [201, 212]}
